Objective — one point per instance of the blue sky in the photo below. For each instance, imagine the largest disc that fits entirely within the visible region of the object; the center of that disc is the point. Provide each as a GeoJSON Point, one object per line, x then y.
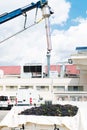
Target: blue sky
{"type": "Point", "coordinates": [78, 10]}
{"type": "Point", "coordinates": [68, 27]}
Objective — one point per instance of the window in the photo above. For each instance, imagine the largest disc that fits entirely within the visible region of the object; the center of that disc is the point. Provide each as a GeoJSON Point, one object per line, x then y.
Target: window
{"type": "Point", "coordinates": [42, 88]}
{"type": "Point", "coordinates": [3, 98]}
{"type": "Point", "coordinates": [75, 88]}
{"type": "Point", "coordinates": [62, 98]}
{"type": "Point", "coordinates": [32, 68]}
{"type": "Point", "coordinates": [12, 98]}
{"type": "Point", "coordinates": [76, 98]}
{"type": "Point", "coordinates": [11, 88]}
{"type": "Point", "coordinates": [27, 87]}
{"type": "Point", "coordinates": [59, 88]}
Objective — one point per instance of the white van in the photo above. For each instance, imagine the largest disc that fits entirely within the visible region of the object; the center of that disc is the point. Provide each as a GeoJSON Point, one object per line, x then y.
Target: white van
{"type": "Point", "coordinates": [28, 97]}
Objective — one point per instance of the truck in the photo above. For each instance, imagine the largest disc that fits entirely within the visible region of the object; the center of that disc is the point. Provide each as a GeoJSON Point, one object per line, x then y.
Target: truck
{"type": "Point", "coordinates": [27, 97]}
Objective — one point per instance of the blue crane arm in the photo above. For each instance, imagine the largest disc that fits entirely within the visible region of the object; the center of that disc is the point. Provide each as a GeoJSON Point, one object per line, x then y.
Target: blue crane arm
{"type": "Point", "coordinates": [8, 16]}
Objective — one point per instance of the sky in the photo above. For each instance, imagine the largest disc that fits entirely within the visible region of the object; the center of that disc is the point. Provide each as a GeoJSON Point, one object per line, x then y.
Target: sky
{"type": "Point", "coordinates": [68, 30]}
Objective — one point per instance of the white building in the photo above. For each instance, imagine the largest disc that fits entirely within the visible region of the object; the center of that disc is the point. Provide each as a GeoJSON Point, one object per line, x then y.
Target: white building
{"type": "Point", "coordinates": [51, 89]}
{"type": "Point", "coordinates": [80, 60]}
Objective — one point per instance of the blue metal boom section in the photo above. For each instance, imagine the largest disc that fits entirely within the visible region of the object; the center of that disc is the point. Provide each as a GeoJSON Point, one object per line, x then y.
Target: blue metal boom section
{"type": "Point", "coordinates": [8, 16]}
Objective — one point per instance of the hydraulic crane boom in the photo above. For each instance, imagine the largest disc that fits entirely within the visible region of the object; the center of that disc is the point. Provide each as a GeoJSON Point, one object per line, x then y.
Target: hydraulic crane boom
{"type": "Point", "coordinates": [8, 16]}
{"type": "Point", "coordinates": [46, 12]}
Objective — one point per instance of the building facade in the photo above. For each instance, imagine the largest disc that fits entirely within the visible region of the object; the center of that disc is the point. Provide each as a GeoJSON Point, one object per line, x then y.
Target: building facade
{"type": "Point", "coordinates": [67, 87]}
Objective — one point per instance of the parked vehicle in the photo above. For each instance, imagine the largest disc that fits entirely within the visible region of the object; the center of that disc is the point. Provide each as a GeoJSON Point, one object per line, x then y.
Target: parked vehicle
{"type": "Point", "coordinates": [28, 97]}
{"type": "Point", "coordinates": [6, 102]}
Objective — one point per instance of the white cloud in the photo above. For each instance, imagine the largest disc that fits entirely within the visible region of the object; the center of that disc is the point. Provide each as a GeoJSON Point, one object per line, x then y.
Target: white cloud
{"type": "Point", "coordinates": [61, 11]}
{"type": "Point", "coordinates": [65, 42]}
{"type": "Point", "coordinates": [79, 20]}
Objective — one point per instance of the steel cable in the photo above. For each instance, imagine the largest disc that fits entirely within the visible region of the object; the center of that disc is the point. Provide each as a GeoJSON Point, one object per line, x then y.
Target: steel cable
{"type": "Point", "coordinates": [24, 29]}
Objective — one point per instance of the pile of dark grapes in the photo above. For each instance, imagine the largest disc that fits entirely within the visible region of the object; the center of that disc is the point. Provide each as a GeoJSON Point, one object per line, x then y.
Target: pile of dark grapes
{"type": "Point", "coordinates": [52, 110]}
